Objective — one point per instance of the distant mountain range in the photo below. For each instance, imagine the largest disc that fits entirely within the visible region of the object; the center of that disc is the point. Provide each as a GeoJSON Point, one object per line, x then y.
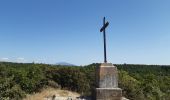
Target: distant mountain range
{"type": "Point", "coordinates": [65, 64]}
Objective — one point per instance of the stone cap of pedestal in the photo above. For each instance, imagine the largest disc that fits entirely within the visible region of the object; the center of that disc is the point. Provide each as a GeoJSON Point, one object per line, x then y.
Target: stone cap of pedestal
{"type": "Point", "coordinates": [107, 65]}
{"type": "Point", "coordinates": [109, 88]}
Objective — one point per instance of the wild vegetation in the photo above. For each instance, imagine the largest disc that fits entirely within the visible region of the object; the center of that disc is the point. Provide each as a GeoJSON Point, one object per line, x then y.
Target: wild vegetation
{"type": "Point", "coordinates": [139, 82]}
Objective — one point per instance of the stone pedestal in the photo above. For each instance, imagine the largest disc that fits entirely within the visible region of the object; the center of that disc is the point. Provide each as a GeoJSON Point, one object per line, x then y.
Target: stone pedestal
{"type": "Point", "coordinates": [107, 83]}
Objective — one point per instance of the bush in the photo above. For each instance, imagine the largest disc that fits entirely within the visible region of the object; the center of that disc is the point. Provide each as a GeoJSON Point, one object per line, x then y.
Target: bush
{"type": "Point", "coordinates": [10, 90]}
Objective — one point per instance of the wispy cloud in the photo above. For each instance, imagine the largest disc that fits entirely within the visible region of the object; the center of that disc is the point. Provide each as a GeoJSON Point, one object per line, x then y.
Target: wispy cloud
{"type": "Point", "coordinates": [20, 60]}
{"type": "Point", "coordinates": [4, 59]}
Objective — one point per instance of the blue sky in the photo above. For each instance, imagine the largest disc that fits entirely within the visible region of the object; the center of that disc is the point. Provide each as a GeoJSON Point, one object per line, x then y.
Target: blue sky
{"type": "Point", "coordinates": [50, 31]}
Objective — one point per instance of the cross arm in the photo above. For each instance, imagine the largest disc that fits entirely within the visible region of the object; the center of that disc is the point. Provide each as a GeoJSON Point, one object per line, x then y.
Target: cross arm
{"type": "Point", "coordinates": [105, 25]}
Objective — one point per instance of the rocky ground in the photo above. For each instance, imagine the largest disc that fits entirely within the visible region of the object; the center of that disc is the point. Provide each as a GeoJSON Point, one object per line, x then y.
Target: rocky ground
{"type": "Point", "coordinates": [56, 94]}
{"type": "Point", "coordinates": [53, 94]}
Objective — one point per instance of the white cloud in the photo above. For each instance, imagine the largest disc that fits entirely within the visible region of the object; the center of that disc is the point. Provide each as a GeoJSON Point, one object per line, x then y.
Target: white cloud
{"type": "Point", "coordinates": [20, 60]}
{"type": "Point", "coordinates": [4, 59]}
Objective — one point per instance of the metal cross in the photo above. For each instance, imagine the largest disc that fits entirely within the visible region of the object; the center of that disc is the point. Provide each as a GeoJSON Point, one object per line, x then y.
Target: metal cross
{"type": "Point", "coordinates": [104, 38]}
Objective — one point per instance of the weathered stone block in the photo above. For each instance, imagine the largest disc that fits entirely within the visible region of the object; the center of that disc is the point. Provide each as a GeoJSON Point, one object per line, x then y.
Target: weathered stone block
{"type": "Point", "coordinates": [107, 76]}
{"type": "Point", "coordinates": [108, 94]}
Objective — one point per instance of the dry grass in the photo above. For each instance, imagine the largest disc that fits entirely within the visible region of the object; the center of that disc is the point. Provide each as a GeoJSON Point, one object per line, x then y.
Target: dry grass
{"type": "Point", "coordinates": [49, 92]}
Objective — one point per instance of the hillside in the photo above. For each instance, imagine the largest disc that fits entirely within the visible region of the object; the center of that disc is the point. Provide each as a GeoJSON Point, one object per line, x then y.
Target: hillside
{"type": "Point", "coordinates": [139, 82]}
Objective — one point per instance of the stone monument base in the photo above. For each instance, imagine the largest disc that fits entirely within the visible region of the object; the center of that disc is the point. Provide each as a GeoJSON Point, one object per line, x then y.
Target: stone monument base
{"type": "Point", "coordinates": [108, 94]}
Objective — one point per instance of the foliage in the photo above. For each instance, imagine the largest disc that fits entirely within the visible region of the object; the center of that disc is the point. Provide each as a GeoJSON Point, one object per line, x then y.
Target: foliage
{"type": "Point", "coordinates": [139, 82]}
{"type": "Point", "coordinates": [10, 90]}
{"type": "Point", "coordinates": [70, 78]}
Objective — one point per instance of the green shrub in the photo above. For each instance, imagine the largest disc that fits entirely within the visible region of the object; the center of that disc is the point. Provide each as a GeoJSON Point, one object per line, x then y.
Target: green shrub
{"type": "Point", "coordinates": [10, 90]}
